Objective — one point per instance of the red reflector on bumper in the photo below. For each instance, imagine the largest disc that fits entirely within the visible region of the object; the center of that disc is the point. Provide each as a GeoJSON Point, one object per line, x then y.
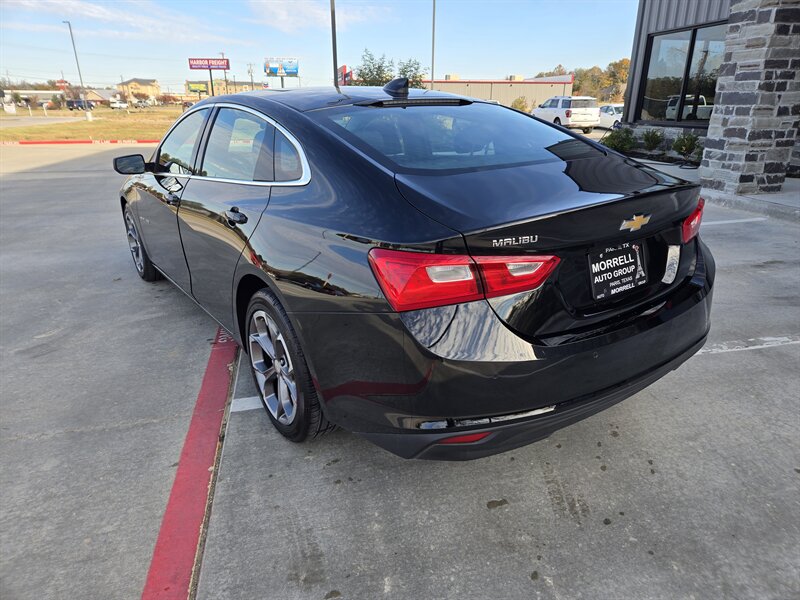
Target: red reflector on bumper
{"type": "Point", "coordinates": [466, 439]}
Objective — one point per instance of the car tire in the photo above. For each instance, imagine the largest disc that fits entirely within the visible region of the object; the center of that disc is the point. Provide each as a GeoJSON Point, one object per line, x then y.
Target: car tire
{"type": "Point", "coordinates": [280, 371]}
{"type": "Point", "coordinates": [557, 121]}
{"type": "Point", "coordinates": [588, 130]}
{"type": "Point", "coordinates": [141, 261]}
{"type": "Point", "coordinates": [615, 125]}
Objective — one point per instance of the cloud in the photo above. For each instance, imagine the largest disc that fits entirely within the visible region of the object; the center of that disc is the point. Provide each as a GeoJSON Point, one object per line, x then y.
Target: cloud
{"type": "Point", "coordinates": [136, 20]}
{"type": "Point", "coordinates": [290, 16]}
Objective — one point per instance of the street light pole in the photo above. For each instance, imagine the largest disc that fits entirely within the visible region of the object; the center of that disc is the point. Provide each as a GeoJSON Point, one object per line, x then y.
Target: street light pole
{"type": "Point", "coordinates": [433, 41]}
{"type": "Point", "coordinates": [225, 71]}
{"type": "Point", "coordinates": [333, 41]}
{"type": "Point", "coordinates": [80, 77]}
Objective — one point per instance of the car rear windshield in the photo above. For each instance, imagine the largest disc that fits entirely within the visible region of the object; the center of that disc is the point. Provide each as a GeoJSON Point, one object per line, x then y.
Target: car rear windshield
{"type": "Point", "coordinates": [421, 138]}
{"type": "Point", "coordinates": [591, 103]}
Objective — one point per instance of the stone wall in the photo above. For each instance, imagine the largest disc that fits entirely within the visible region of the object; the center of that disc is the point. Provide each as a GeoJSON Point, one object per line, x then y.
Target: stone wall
{"type": "Point", "coordinates": [794, 161]}
{"type": "Point", "coordinates": [752, 130]}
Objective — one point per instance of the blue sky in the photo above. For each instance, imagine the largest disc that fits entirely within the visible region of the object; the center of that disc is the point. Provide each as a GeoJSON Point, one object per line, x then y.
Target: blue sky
{"type": "Point", "coordinates": [153, 39]}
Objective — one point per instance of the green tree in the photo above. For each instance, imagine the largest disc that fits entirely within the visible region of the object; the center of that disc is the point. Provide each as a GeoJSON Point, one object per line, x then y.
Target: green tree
{"type": "Point", "coordinates": [413, 71]}
{"type": "Point", "coordinates": [55, 100]}
{"type": "Point", "coordinates": [520, 103]}
{"type": "Point", "coordinates": [617, 76]}
{"type": "Point", "coordinates": [557, 70]}
{"type": "Point", "coordinates": [589, 82]}
{"type": "Point", "coordinates": [374, 71]}
{"type": "Point", "coordinates": [16, 98]}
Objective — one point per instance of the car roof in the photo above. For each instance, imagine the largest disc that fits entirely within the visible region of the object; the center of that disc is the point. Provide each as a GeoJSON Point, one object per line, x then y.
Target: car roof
{"type": "Point", "coordinates": [314, 98]}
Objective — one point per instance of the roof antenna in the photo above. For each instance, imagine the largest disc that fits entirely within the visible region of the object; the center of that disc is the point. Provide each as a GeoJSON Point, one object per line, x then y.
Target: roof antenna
{"type": "Point", "coordinates": [397, 87]}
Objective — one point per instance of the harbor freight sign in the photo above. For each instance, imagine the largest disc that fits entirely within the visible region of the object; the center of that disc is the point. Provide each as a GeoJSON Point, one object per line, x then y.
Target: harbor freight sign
{"type": "Point", "coordinates": [281, 67]}
{"type": "Point", "coordinates": [221, 64]}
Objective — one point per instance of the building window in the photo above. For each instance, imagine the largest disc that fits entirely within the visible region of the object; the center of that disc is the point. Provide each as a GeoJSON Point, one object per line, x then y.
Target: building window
{"type": "Point", "coordinates": [681, 76]}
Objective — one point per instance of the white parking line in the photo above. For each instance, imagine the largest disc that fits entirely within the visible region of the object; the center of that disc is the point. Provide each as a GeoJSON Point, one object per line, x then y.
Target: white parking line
{"type": "Point", "coordinates": [242, 404]}
{"type": "Point", "coordinates": [751, 344]}
{"type": "Point", "coordinates": [732, 221]}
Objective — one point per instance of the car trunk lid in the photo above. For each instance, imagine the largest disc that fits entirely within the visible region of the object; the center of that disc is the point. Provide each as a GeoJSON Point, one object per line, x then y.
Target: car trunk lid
{"type": "Point", "coordinates": [599, 215]}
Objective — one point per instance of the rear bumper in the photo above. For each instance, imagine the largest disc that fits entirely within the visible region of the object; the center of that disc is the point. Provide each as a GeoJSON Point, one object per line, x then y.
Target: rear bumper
{"type": "Point", "coordinates": [502, 438]}
{"type": "Point", "coordinates": [408, 381]}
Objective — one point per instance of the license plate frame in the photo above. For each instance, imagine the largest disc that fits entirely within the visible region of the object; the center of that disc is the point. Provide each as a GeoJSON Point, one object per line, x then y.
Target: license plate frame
{"type": "Point", "coordinates": [617, 270]}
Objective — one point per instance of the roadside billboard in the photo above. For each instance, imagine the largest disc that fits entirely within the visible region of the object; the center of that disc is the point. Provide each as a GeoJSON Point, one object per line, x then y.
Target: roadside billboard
{"type": "Point", "coordinates": [198, 88]}
{"type": "Point", "coordinates": [281, 67]}
{"type": "Point", "coordinates": [220, 64]}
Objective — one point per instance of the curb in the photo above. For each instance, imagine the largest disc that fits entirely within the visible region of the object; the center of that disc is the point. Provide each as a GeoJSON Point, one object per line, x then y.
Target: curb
{"type": "Point", "coordinates": [755, 205]}
{"type": "Point", "coordinates": [47, 142]}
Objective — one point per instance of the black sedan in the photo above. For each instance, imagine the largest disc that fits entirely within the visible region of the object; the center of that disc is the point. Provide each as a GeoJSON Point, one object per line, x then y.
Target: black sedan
{"type": "Point", "coordinates": [445, 277]}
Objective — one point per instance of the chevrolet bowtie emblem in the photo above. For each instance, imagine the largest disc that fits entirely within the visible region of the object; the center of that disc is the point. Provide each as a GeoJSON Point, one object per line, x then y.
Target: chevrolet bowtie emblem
{"type": "Point", "coordinates": [635, 223]}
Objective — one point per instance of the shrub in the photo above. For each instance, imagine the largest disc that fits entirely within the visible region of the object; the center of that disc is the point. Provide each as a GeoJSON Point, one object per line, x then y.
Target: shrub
{"type": "Point", "coordinates": [520, 103]}
{"type": "Point", "coordinates": [621, 140]}
{"type": "Point", "coordinates": [652, 138]}
{"type": "Point", "coordinates": [686, 144]}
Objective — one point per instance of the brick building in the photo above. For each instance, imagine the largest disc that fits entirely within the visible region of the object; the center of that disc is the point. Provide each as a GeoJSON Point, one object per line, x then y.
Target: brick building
{"type": "Point", "coordinates": [727, 71]}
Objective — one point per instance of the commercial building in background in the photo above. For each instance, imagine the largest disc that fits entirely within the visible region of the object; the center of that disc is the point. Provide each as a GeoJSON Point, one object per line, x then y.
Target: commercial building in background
{"type": "Point", "coordinates": [504, 91]}
{"type": "Point", "coordinates": [132, 87]}
{"type": "Point", "coordinates": [203, 87]}
{"type": "Point", "coordinates": [102, 96]}
{"type": "Point", "coordinates": [727, 71]}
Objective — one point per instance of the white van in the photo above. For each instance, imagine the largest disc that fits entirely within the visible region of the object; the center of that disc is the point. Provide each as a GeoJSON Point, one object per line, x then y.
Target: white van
{"type": "Point", "coordinates": [576, 112]}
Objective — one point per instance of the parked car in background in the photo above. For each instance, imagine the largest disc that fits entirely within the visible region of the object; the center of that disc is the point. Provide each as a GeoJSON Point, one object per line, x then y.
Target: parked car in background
{"type": "Point", "coordinates": [346, 242]}
{"type": "Point", "coordinates": [611, 115]}
{"type": "Point", "coordinates": [575, 112]}
{"type": "Point", "coordinates": [141, 104]}
{"type": "Point", "coordinates": [118, 104]}
{"type": "Point", "coordinates": [695, 108]}
{"type": "Point", "coordinates": [79, 105]}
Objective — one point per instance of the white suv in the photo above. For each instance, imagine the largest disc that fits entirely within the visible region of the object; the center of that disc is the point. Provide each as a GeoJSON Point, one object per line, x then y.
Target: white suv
{"type": "Point", "coordinates": [577, 112]}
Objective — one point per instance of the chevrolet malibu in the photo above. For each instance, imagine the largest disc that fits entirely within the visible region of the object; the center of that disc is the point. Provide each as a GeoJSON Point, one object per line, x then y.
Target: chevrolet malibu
{"type": "Point", "coordinates": [446, 277]}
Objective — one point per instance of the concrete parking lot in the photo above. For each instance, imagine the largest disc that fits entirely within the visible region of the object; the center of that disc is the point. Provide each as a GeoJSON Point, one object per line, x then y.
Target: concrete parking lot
{"type": "Point", "coordinates": [690, 489]}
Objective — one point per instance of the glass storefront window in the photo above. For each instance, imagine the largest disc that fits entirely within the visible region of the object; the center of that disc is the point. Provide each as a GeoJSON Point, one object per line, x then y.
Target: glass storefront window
{"type": "Point", "coordinates": [709, 46]}
{"type": "Point", "coordinates": [671, 91]}
{"type": "Point", "coordinates": [664, 76]}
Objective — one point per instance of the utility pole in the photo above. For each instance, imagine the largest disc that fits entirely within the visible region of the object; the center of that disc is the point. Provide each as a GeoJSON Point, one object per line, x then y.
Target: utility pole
{"type": "Point", "coordinates": [83, 89]}
{"type": "Point", "coordinates": [222, 54]}
{"type": "Point", "coordinates": [433, 42]}
{"type": "Point", "coordinates": [234, 84]}
{"type": "Point", "coordinates": [250, 72]}
{"type": "Point", "coordinates": [333, 41]}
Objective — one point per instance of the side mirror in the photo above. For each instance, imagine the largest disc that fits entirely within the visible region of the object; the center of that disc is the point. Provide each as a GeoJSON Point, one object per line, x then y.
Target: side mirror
{"type": "Point", "coordinates": [133, 164]}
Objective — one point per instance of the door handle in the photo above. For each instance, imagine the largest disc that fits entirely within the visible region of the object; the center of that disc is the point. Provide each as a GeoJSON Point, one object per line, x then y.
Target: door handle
{"type": "Point", "coordinates": [235, 217]}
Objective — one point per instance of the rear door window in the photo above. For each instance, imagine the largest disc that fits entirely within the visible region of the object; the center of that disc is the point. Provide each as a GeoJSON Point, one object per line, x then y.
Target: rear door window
{"type": "Point", "coordinates": [239, 147]}
{"type": "Point", "coordinates": [175, 152]}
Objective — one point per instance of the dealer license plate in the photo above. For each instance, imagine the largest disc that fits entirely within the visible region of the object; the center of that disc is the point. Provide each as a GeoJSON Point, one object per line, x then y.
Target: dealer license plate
{"type": "Point", "coordinates": [617, 270]}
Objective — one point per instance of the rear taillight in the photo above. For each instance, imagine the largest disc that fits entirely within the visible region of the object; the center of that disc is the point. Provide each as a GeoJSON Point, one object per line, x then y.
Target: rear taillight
{"type": "Point", "coordinates": [504, 275]}
{"type": "Point", "coordinates": [691, 224]}
{"type": "Point", "coordinates": [568, 113]}
{"type": "Point", "coordinates": [414, 280]}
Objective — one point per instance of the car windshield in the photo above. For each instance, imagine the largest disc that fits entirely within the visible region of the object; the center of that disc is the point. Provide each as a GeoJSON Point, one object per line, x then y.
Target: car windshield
{"type": "Point", "coordinates": [586, 103]}
{"type": "Point", "coordinates": [419, 139]}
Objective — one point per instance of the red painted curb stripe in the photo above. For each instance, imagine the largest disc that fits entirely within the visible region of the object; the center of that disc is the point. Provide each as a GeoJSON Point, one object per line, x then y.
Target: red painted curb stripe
{"type": "Point", "coordinates": [170, 573]}
{"type": "Point", "coordinates": [47, 142]}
